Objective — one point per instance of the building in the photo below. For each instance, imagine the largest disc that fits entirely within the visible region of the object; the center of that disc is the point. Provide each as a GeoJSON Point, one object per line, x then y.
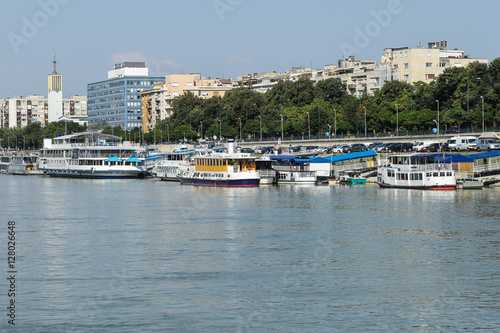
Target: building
{"type": "Point", "coordinates": [17, 112]}
{"type": "Point", "coordinates": [422, 64]}
{"type": "Point", "coordinates": [55, 110]}
{"type": "Point", "coordinates": [156, 104]}
{"type": "Point", "coordinates": [116, 101]}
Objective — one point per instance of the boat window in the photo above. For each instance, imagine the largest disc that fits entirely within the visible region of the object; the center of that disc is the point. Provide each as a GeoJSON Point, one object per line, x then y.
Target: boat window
{"type": "Point", "coordinates": [442, 174]}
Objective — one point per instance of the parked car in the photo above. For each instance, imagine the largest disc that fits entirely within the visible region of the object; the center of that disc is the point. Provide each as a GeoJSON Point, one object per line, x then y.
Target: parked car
{"type": "Point", "coordinates": [417, 146]}
{"type": "Point", "coordinates": [345, 149]}
{"type": "Point", "coordinates": [382, 148]}
{"type": "Point", "coordinates": [337, 149]}
{"type": "Point", "coordinates": [356, 148]}
{"type": "Point", "coordinates": [452, 130]}
{"type": "Point", "coordinates": [247, 150]}
{"type": "Point", "coordinates": [399, 147]}
{"type": "Point", "coordinates": [373, 145]}
{"type": "Point", "coordinates": [488, 144]}
{"type": "Point", "coordinates": [433, 147]}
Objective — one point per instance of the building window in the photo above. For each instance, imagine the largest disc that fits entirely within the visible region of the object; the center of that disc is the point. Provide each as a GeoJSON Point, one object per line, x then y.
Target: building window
{"type": "Point", "coordinates": [406, 53]}
{"type": "Point", "coordinates": [406, 77]}
{"type": "Point", "coordinates": [406, 65]}
{"type": "Point", "coordinates": [428, 64]}
{"type": "Point", "coordinates": [429, 76]}
{"type": "Point", "coordinates": [395, 65]}
{"type": "Point", "coordinates": [175, 84]}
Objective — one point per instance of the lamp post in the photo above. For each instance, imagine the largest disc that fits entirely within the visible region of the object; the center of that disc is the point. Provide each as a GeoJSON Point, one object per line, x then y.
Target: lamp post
{"type": "Point", "coordinates": [329, 135]}
{"type": "Point", "coordinates": [240, 128]}
{"type": "Point", "coordinates": [260, 123]}
{"type": "Point", "coordinates": [220, 129]}
{"type": "Point", "coordinates": [309, 125]}
{"type": "Point", "coordinates": [161, 136]}
{"type": "Point", "coordinates": [335, 131]}
{"type": "Point", "coordinates": [168, 131]}
{"type": "Point", "coordinates": [319, 118]}
{"type": "Point", "coordinates": [437, 122]}
{"type": "Point", "coordinates": [439, 143]}
{"type": "Point", "coordinates": [24, 143]}
{"type": "Point", "coordinates": [364, 107]}
{"type": "Point", "coordinates": [482, 109]}
{"type": "Point", "coordinates": [282, 125]}
{"type": "Point", "coordinates": [201, 134]}
{"type": "Point", "coordinates": [397, 120]}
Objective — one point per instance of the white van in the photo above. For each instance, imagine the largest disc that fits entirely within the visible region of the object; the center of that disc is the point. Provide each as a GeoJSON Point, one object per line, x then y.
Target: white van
{"type": "Point", "coordinates": [460, 143]}
{"type": "Point", "coordinates": [418, 145]}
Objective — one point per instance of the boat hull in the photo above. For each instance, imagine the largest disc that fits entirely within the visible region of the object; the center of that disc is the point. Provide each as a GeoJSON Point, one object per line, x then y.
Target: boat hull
{"type": "Point", "coordinates": [422, 187]}
{"type": "Point", "coordinates": [219, 182]}
{"type": "Point", "coordinates": [96, 174]}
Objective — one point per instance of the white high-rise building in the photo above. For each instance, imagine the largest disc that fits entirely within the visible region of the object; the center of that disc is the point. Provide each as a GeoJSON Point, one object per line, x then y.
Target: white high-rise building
{"type": "Point", "coordinates": [55, 98]}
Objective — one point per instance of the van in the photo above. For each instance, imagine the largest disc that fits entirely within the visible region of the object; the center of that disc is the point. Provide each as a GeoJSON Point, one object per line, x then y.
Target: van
{"type": "Point", "coordinates": [460, 143]}
{"type": "Point", "coordinates": [418, 145]}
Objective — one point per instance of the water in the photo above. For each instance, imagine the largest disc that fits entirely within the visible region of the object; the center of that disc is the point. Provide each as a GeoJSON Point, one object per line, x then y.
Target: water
{"type": "Point", "coordinates": [149, 256]}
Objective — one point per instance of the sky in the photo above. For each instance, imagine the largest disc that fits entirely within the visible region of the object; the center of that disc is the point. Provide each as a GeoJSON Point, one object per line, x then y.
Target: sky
{"type": "Point", "coordinates": [222, 38]}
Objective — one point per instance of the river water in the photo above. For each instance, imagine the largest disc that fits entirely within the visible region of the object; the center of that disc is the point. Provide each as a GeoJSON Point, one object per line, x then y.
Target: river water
{"type": "Point", "coordinates": [150, 256]}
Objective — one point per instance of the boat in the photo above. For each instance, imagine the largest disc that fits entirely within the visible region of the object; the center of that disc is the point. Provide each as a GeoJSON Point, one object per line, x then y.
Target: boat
{"type": "Point", "coordinates": [227, 169]}
{"type": "Point", "coordinates": [24, 165]}
{"type": "Point", "coordinates": [267, 174]}
{"type": "Point", "coordinates": [4, 163]}
{"type": "Point", "coordinates": [167, 168]}
{"type": "Point", "coordinates": [350, 177]}
{"type": "Point", "coordinates": [420, 171]}
{"type": "Point", "coordinates": [293, 169]}
{"type": "Point", "coordinates": [92, 155]}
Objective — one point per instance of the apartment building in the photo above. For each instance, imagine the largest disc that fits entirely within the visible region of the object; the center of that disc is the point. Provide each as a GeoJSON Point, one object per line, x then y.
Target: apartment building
{"type": "Point", "coordinates": [422, 64]}
{"type": "Point", "coordinates": [156, 103]}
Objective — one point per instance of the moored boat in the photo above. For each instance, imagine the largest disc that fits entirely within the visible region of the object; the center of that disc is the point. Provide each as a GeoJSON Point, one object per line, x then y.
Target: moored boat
{"type": "Point", "coordinates": [417, 172]}
{"type": "Point", "coordinates": [92, 155]}
{"type": "Point", "coordinates": [350, 177]}
{"type": "Point", "coordinates": [229, 169]}
{"type": "Point", "coordinates": [292, 169]}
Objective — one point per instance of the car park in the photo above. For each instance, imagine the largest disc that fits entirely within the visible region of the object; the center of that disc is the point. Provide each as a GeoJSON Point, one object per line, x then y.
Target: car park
{"type": "Point", "coordinates": [488, 144]}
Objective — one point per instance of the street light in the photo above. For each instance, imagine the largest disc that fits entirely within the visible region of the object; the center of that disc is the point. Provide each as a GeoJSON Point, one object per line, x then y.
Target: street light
{"type": "Point", "coordinates": [220, 129]}
{"type": "Point", "coordinates": [482, 109]}
{"type": "Point", "coordinates": [329, 135]}
{"type": "Point", "coordinates": [24, 143]}
{"type": "Point", "coordinates": [478, 78]}
{"type": "Point", "coordinates": [309, 125]}
{"type": "Point", "coordinates": [168, 131]}
{"type": "Point", "coordinates": [397, 120]}
{"type": "Point", "coordinates": [240, 128]}
{"type": "Point", "coordinates": [364, 107]}
{"type": "Point", "coordinates": [335, 122]}
{"type": "Point", "coordinates": [282, 125]}
{"type": "Point", "coordinates": [201, 122]}
{"type": "Point", "coordinates": [260, 123]}
{"type": "Point", "coordinates": [439, 143]}
{"type": "Point", "coordinates": [437, 122]}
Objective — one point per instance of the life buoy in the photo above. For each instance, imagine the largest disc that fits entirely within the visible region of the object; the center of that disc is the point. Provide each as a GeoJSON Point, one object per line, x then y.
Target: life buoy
{"type": "Point", "coordinates": [249, 167]}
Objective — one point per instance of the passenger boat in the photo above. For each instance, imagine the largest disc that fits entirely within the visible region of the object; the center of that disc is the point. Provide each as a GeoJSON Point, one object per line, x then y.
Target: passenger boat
{"type": "Point", "coordinates": [4, 163]}
{"type": "Point", "coordinates": [417, 172]}
{"type": "Point", "coordinates": [265, 167]}
{"type": "Point", "coordinates": [350, 177]}
{"type": "Point", "coordinates": [92, 155]}
{"type": "Point", "coordinates": [24, 165]}
{"type": "Point", "coordinates": [291, 169]}
{"type": "Point", "coordinates": [227, 169]}
{"type": "Point", "coordinates": [168, 166]}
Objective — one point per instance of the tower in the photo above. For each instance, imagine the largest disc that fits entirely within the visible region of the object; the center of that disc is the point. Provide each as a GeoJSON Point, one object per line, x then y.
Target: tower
{"type": "Point", "coordinates": [55, 95]}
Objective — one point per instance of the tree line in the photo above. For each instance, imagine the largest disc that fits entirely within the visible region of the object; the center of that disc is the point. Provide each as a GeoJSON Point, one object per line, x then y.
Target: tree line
{"type": "Point", "coordinates": [297, 108]}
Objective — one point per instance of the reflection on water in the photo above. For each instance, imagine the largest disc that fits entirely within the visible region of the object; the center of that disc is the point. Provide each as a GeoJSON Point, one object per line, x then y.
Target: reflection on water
{"type": "Point", "coordinates": [144, 255]}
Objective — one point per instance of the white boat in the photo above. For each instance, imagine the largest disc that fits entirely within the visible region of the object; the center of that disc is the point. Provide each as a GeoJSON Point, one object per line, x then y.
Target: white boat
{"type": "Point", "coordinates": [24, 165]}
{"type": "Point", "coordinates": [267, 174]}
{"type": "Point", "coordinates": [417, 172]}
{"type": "Point", "coordinates": [167, 168]}
{"type": "Point", "coordinates": [4, 163]}
{"type": "Point", "coordinates": [292, 169]}
{"type": "Point", "coordinates": [92, 155]}
{"type": "Point", "coordinates": [221, 169]}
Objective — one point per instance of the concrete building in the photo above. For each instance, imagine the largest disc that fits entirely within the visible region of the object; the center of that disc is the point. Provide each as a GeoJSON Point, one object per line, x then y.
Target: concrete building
{"type": "Point", "coordinates": [55, 98]}
{"type": "Point", "coordinates": [156, 103]}
{"type": "Point", "coordinates": [422, 64]}
{"type": "Point", "coordinates": [17, 112]}
{"type": "Point", "coordinates": [116, 101]}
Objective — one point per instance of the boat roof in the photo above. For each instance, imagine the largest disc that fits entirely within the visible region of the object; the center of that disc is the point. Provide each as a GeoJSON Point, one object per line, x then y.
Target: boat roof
{"type": "Point", "coordinates": [96, 135]}
{"type": "Point", "coordinates": [343, 157]}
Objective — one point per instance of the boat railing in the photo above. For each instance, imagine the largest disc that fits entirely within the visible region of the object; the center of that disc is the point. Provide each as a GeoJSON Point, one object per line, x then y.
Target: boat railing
{"type": "Point", "coordinates": [267, 173]}
{"type": "Point", "coordinates": [290, 168]}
